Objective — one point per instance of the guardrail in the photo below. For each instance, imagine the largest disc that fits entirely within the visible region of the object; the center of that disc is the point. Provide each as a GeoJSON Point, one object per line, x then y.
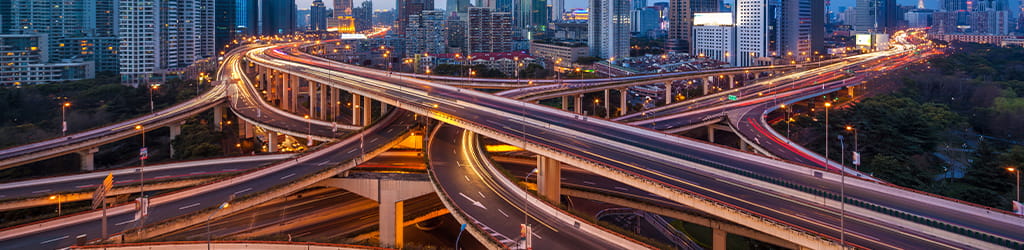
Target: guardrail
{"type": "Point", "coordinates": [246, 244]}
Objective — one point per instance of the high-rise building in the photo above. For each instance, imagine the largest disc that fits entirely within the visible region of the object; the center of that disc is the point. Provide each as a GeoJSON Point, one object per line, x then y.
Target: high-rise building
{"type": "Point", "coordinates": [426, 33]}
{"type": "Point", "coordinates": [162, 37]}
{"type": "Point", "coordinates": [410, 7]}
{"type": "Point", "coordinates": [714, 36]}
{"type": "Point", "coordinates": [364, 16]}
{"type": "Point", "coordinates": [795, 29]}
{"type": "Point", "coordinates": [457, 6]}
{"type": "Point", "coordinates": [277, 17]}
{"type": "Point", "coordinates": [456, 33]}
{"type": "Point", "coordinates": [302, 20]}
{"type": "Point", "coordinates": [646, 19]}
{"type": "Point", "coordinates": [224, 23]}
{"type": "Point", "coordinates": [342, 8]}
{"type": "Point", "coordinates": [529, 13]}
{"type": "Point", "coordinates": [76, 29]}
{"type": "Point", "coordinates": [751, 31]}
{"type": "Point", "coordinates": [609, 28]}
{"type": "Point", "coordinates": [555, 9]}
{"type": "Point", "coordinates": [488, 31]}
{"type": "Point", "coordinates": [954, 5]}
{"type": "Point", "coordinates": [247, 15]}
{"type": "Point", "coordinates": [919, 18]}
{"type": "Point", "coordinates": [24, 60]}
{"type": "Point", "coordinates": [318, 16]}
{"type": "Point", "coordinates": [680, 19]}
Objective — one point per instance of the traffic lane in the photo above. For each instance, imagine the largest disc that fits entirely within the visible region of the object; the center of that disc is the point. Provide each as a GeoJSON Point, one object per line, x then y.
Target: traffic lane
{"type": "Point", "coordinates": [65, 236]}
{"type": "Point", "coordinates": [251, 109]}
{"type": "Point", "coordinates": [79, 185]}
{"type": "Point", "coordinates": [344, 227]}
{"type": "Point", "coordinates": [748, 198]}
{"type": "Point", "coordinates": [465, 187]}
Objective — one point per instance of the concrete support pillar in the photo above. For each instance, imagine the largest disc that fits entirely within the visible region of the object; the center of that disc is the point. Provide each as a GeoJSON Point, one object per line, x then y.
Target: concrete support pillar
{"type": "Point", "coordinates": [607, 104]}
{"type": "Point", "coordinates": [356, 110]}
{"type": "Point", "coordinates": [711, 134]}
{"type": "Point", "coordinates": [391, 219]}
{"type": "Point", "coordinates": [271, 141]}
{"type": "Point", "coordinates": [312, 99]}
{"type": "Point", "coordinates": [175, 131]}
{"type": "Point", "coordinates": [565, 102]}
{"type": "Point", "coordinates": [549, 179]}
{"type": "Point", "coordinates": [86, 159]}
{"type": "Point", "coordinates": [383, 108]}
{"type": "Point", "coordinates": [732, 81]}
{"type": "Point", "coordinates": [324, 106]}
{"type": "Point", "coordinates": [246, 128]}
{"type": "Point", "coordinates": [286, 92]}
{"type": "Point", "coordinates": [578, 104]}
{"type": "Point", "coordinates": [333, 103]}
{"type": "Point", "coordinates": [743, 146]}
{"type": "Point", "coordinates": [623, 93]}
{"type": "Point", "coordinates": [718, 239]}
{"type": "Point", "coordinates": [218, 118]}
{"type": "Point", "coordinates": [668, 92]}
{"type": "Point", "coordinates": [757, 75]}
{"type": "Point", "coordinates": [367, 111]}
{"type": "Point", "coordinates": [294, 83]}
{"type": "Point", "coordinates": [706, 86]}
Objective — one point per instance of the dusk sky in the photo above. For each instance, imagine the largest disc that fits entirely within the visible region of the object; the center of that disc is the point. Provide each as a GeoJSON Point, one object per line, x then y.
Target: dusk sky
{"type": "Point", "coordinates": [387, 4]}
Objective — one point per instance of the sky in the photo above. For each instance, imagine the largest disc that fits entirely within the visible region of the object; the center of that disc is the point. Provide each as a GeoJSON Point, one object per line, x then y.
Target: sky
{"type": "Point", "coordinates": [569, 4]}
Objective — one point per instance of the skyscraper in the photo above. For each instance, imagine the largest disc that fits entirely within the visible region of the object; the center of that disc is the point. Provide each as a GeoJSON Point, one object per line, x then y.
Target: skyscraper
{"type": "Point", "coordinates": [609, 28]}
{"type": "Point", "coordinates": [555, 8]}
{"type": "Point", "coordinates": [277, 17]}
{"type": "Point", "coordinates": [409, 7]}
{"type": "Point", "coordinates": [86, 29]}
{"type": "Point", "coordinates": [751, 31]}
{"type": "Point", "coordinates": [714, 36]}
{"type": "Point", "coordinates": [224, 24]}
{"type": "Point", "coordinates": [247, 15]}
{"type": "Point", "coordinates": [426, 33]}
{"type": "Point", "coordinates": [954, 5]}
{"type": "Point", "coordinates": [159, 37]}
{"type": "Point", "coordinates": [488, 31]}
{"type": "Point", "coordinates": [528, 13]}
{"type": "Point", "coordinates": [342, 8]}
{"type": "Point", "coordinates": [795, 31]}
{"type": "Point", "coordinates": [680, 25]}
{"type": "Point", "coordinates": [364, 16]}
{"type": "Point", "coordinates": [457, 6]}
{"type": "Point", "coordinates": [318, 16]}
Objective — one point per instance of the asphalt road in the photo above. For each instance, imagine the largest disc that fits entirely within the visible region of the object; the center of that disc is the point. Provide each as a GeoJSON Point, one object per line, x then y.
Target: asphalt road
{"type": "Point", "coordinates": [64, 236]}
{"type": "Point", "coordinates": [481, 199]}
{"type": "Point", "coordinates": [124, 176]}
{"type": "Point", "coordinates": [603, 142]}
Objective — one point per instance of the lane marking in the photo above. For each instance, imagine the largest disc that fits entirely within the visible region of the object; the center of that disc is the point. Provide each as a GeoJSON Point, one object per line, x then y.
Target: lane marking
{"type": "Point", "coordinates": [622, 188]}
{"type": "Point", "coordinates": [286, 176]}
{"type": "Point", "coordinates": [536, 235]}
{"type": "Point", "coordinates": [503, 213]}
{"type": "Point", "coordinates": [467, 178]}
{"type": "Point", "coordinates": [189, 206]}
{"type": "Point", "coordinates": [41, 191]}
{"type": "Point", "coordinates": [481, 195]}
{"type": "Point", "coordinates": [125, 222]}
{"type": "Point", "coordinates": [589, 183]}
{"type": "Point", "coordinates": [242, 191]}
{"type": "Point", "coordinates": [52, 240]}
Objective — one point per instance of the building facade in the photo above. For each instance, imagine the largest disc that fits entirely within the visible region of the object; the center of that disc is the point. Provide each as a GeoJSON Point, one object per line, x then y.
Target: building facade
{"type": "Point", "coordinates": [75, 30]}
{"type": "Point", "coordinates": [426, 34]}
{"type": "Point", "coordinates": [609, 27]}
{"type": "Point", "coordinates": [363, 16]}
{"type": "Point", "coordinates": [714, 36]}
{"type": "Point", "coordinates": [24, 59]}
{"type": "Point", "coordinates": [163, 37]}
{"type": "Point", "coordinates": [488, 31]}
{"type": "Point", "coordinates": [565, 52]}
{"type": "Point", "coordinates": [751, 32]}
{"type": "Point", "coordinates": [277, 17]}
{"type": "Point", "coordinates": [409, 7]}
{"type": "Point", "coordinates": [795, 30]}
{"type": "Point", "coordinates": [318, 16]}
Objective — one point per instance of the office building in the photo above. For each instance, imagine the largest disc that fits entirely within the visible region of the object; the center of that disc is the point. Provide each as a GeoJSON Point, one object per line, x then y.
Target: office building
{"type": "Point", "coordinates": [528, 13]}
{"type": "Point", "coordinates": [277, 17]}
{"type": "Point", "coordinates": [488, 31]}
{"type": "Point", "coordinates": [919, 18]}
{"type": "Point", "coordinates": [363, 16]}
{"type": "Point", "coordinates": [246, 17]}
{"type": "Point", "coordinates": [456, 33]}
{"type": "Point", "coordinates": [609, 28]}
{"type": "Point", "coordinates": [155, 42]}
{"type": "Point", "coordinates": [680, 20]}
{"type": "Point", "coordinates": [555, 9]}
{"type": "Point", "coordinates": [224, 23]}
{"type": "Point", "coordinates": [714, 36]}
{"type": "Point", "coordinates": [954, 5]}
{"type": "Point", "coordinates": [342, 8]}
{"type": "Point", "coordinates": [76, 30]}
{"type": "Point", "coordinates": [318, 16]}
{"type": "Point", "coordinates": [751, 32]}
{"type": "Point", "coordinates": [646, 19]}
{"type": "Point", "coordinates": [426, 33]}
{"type": "Point", "coordinates": [302, 20]}
{"type": "Point", "coordinates": [876, 16]}
{"type": "Point", "coordinates": [563, 52]}
{"type": "Point", "coordinates": [24, 59]}
{"type": "Point", "coordinates": [410, 7]}
{"type": "Point", "coordinates": [795, 29]}
{"type": "Point", "coordinates": [457, 6]}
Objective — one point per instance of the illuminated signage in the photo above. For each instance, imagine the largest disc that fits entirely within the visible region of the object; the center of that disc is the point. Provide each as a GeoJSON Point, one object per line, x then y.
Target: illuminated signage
{"type": "Point", "coordinates": [718, 18]}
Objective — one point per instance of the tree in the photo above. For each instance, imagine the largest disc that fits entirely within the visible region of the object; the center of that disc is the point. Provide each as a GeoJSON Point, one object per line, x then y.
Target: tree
{"type": "Point", "coordinates": [534, 71]}
{"type": "Point", "coordinates": [587, 60]}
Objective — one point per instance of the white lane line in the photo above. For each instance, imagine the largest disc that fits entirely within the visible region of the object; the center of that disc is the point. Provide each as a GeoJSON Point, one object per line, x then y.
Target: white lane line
{"type": "Point", "coordinates": [200, 172]}
{"type": "Point", "coordinates": [622, 188]}
{"type": "Point", "coordinates": [242, 191]}
{"type": "Point", "coordinates": [481, 195]}
{"type": "Point", "coordinates": [467, 178]}
{"type": "Point", "coordinates": [373, 140]}
{"type": "Point", "coordinates": [41, 191]}
{"type": "Point", "coordinates": [52, 240]}
{"type": "Point", "coordinates": [589, 183]}
{"type": "Point", "coordinates": [538, 236]}
{"type": "Point", "coordinates": [351, 151]}
{"type": "Point", "coordinates": [286, 176]}
{"type": "Point", "coordinates": [503, 213]}
{"type": "Point", "coordinates": [189, 206]}
{"type": "Point", "coordinates": [125, 222]}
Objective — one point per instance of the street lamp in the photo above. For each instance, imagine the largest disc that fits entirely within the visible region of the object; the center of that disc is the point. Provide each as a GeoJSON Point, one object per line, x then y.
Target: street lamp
{"type": "Point", "coordinates": [63, 118]}
{"type": "Point", "coordinates": [143, 155]}
{"type": "Point", "coordinates": [208, 234]}
{"type": "Point", "coordinates": [309, 131]}
{"type": "Point", "coordinates": [1014, 171]}
{"type": "Point", "coordinates": [784, 109]}
{"type": "Point", "coordinates": [596, 102]}
{"type": "Point", "coordinates": [151, 88]}
{"type": "Point", "coordinates": [526, 204]}
{"type": "Point", "coordinates": [856, 160]}
{"type": "Point", "coordinates": [57, 197]}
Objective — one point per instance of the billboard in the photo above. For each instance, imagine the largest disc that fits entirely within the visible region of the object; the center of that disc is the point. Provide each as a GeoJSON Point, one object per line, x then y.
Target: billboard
{"type": "Point", "coordinates": [716, 18]}
{"type": "Point", "coordinates": [863, 39]}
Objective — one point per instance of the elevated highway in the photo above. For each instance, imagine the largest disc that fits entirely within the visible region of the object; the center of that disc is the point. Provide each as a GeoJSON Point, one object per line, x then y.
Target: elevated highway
{"type": "Point", "coordinates": [681, 170]}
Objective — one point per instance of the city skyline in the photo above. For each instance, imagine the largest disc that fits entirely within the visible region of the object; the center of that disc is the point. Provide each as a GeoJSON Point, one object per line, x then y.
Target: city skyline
{"type": "Point", "coordinates": [570, 4]}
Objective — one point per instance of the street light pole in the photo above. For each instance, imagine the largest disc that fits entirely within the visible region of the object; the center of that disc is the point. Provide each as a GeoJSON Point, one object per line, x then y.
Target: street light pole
{"type": "Point", "coordinates": [57, 197]}
{"type": "Point", "coordinates": [1016, 172]}
{"type": "Point", "coordinates": [208, 234]}
{"type": "Point", "coordinates": [63, 119]}
{"type": "Point", "coordinates": [784, 109]}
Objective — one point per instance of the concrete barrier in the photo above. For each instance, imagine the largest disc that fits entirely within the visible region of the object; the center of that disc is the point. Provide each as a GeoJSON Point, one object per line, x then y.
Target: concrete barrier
{"type": "Point", "coordinates": [225, 245]}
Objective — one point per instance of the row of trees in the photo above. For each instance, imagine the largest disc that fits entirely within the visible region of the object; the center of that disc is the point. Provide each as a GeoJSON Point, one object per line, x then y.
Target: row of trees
{"type": "Point", "coordinates": [530, 71]}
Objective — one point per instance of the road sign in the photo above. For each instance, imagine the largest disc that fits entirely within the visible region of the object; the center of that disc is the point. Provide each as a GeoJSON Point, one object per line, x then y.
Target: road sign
{"type": "Point", "coordinates": [101, 191]}
{"type": "Point", "coordinates": [143, 153]}
{"type": "Point", "coordinates": [856, 158]}
{"type": "Point", "coordinates": [141, 207]}
{"type": "Point", "coordinates": [732, 97]}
